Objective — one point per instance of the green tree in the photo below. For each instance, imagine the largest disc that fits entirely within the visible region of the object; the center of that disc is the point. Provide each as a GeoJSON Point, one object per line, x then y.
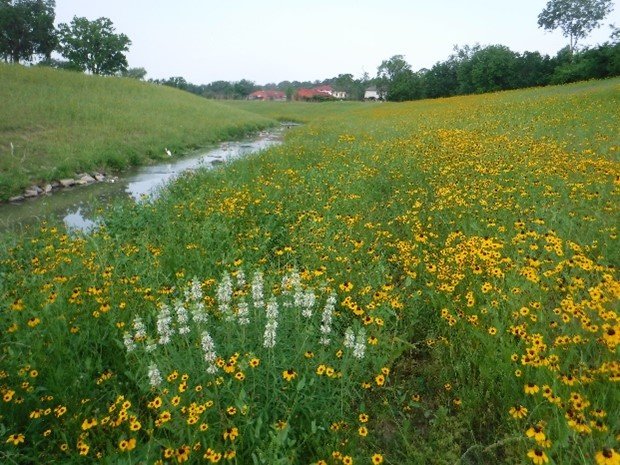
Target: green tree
{"type": "Point", "coordinates": [243, 88]}
{"type": "Point", "coordinates": [576, 18]}
{"type": "Point", "coordinates": [395, 78]}
{"type": "Point", "coordinates": [93, 46]}
{"type": "Point", "coordinates": [27, 29]}
{"type": "Point", "coordinates": [493, 69]}
{"type": "Point", "coordinates": [134, 73]}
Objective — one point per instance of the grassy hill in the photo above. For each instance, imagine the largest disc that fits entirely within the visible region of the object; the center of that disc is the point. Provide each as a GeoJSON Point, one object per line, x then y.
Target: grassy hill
{"type": "Point", "coordinates": [433, 282]}
{"type": "Point", "coordinates": [61, 122]}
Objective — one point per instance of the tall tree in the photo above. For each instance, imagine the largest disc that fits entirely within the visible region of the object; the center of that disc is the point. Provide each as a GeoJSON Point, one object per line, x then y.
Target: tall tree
{"type": "Point", "coordinates": [27, 29]}
{"type": "Point", "coordinates": [393, 76]}
{"type": "Point", "coordinates": [576, 18]}
{"type": "Point", "coordinates": [94, 46]}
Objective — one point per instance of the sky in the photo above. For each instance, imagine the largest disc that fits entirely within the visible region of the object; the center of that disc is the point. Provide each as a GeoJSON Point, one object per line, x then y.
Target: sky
{"type": "Point", "coordinates": [275, 40]}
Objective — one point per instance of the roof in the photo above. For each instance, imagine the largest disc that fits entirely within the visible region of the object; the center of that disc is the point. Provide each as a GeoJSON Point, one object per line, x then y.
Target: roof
{"type": "Point", "coordinates": [267, 94]}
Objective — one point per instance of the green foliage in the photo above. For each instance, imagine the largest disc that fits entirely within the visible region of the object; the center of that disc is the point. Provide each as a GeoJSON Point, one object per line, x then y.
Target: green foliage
{"type": "Point", "coordinates": [27, 29]}
{"type": "Point", "coordinates": [576, 18]}
{"type": "Point", "coordinates": [93, 46]}
{"type": "Point", "coordinates": [473, 239]}
{"type": "Point", "coordinates": [134, 73]}
{"type": "Point", "coordinates": [61, 123]}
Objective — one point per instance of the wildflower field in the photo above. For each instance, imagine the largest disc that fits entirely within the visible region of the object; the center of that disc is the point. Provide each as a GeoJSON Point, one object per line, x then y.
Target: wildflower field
{"type": "Point", "coordinates": [422, 283]}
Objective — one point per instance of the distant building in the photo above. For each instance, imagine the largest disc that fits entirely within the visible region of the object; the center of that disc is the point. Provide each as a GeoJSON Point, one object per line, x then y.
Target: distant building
{"type": "Point", "coordinates": [320, 92]}
{"type": "Point", "coordinates": [267, 95]}
{"type": "Point", "coordinates": [372, 94]}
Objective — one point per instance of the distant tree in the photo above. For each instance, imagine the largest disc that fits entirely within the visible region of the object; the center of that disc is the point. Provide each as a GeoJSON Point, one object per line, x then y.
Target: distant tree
{"type": "Point", "coordinates": [218, 90]}
{"type": "Point", "coordinates": [134, 73]}
{"type": "Point", "coordinates": [27, 29]}
{"type": "Point", "coordinates": [441, 80]}
{"type": "Point", "coordinates": [532, 69]}
{"type": "Point", "coordinates": [576, 18]}
{"type": "Point", "coordinates": [615, 33]}
{"type": "Point", "coordinates": [492, 69]}
{"type": "Point", "coordinates": [290, 92]}
{"type": "Point", "coordinates": [243, 88]}
{"type": "Point", "coordinates": [93, 46]}
{"type": "Point", "coordinates": [393, 78]}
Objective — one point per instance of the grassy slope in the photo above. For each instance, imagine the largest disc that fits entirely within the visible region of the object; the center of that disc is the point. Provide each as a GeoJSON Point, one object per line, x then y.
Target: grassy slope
{"type": "Point", "coordinates": [61, 123]}
{"type": "Point", "coordinates": [407, 202]}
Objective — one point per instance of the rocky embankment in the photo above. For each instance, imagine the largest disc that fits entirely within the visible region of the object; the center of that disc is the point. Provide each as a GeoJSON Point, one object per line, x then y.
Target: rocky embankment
{"type": "Point", "coordinates": [81, 179]}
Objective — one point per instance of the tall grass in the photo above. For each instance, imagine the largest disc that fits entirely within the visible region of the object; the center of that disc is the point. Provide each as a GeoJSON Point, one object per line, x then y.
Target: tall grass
{"type": "Point", "coordinates": [470, 245]}
{"type": "Point", "coordinates": [56, 123]}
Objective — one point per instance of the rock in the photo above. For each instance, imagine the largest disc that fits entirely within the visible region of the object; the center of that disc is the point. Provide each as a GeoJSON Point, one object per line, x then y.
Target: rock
{"type": "Point", "coordinates": [37, 189]}
{"type": "Point", "coordinates": [67, 182]}
{"type": "Point", "coordinates": [31, 193]}
{"type": "Point", "coordinates": [17, 198]}
{"type": "Point", "coordinates": [55, 185]}
{"type": "Point", "coordinates": [47, 188]}
{"type": "Point", "coordinates": [85, 179]}
{"type": "Point", "coordinates": [99, 177]}
{"type": "Point", "coordinates": [217, 162]}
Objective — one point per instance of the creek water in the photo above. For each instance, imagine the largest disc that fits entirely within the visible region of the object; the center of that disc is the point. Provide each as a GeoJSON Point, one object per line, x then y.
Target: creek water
{"type": "Point", "coordinates": [78, 207]}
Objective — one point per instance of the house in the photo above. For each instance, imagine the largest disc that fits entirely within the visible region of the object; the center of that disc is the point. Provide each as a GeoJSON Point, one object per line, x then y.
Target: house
{"type": "Point", "coordinates": [320, 93]}
{"type": "Point", "coordinates": [373, 94]}
{"type": "Point", "coordinates": [265, 95]}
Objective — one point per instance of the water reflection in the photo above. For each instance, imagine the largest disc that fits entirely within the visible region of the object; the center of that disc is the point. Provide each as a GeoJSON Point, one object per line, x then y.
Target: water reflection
{"type": "Point", "coordinates": [76, 205]}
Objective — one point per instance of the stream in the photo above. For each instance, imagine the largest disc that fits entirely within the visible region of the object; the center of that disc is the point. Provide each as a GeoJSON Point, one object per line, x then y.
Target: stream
{"type": "Point", "coordinates": [77, 206]}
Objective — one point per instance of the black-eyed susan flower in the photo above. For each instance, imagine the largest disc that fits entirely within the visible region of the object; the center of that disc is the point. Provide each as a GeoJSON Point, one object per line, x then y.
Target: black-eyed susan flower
{"type": "Point", "coordinates": [376, 459]}
{"type": "Point", "coordinates": [607, 456]}
{"type": "Point", "coordinates": [126, 445]}
{"type": "Point", "coordinates": [538, 456]}
{"type": "Point", "coordinates": [16, 439]}
{"type": "Point", "coordinates": [289, 374]}
{"type": "Point", "coordinates": [230, 434]}
{"type": "Point", "coordinates": [518, 412]}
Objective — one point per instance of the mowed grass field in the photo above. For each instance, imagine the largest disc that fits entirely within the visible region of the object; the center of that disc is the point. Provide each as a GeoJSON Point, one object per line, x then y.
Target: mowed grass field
{"type": "Point", "coordinates": [62, 123]}
{"type": "Point", "coordinates": [428, 282]}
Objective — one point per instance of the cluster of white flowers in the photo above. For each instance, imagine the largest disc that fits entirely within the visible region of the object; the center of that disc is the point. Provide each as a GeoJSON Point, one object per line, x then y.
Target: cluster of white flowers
{"type": "Point", "coordinates": [130, 345]}
{"type": "Point", "coordinates": [357, 343]}
{"type": "Point", "coordinates": [154, 375]}
{"type": "Point", "coordinates": [257, 290]}
{"type": "Point", "coordinates": [208, 348]}
{"type": "Point", "coordinates": [326, 320]}
{"type": "Point", "coordinates": [307, 303]}
{"type": "Point", "coordinates": [164, 325]}
{"type": "Point", "coordinates": [138, 335]}
{"type": "Point", "coordinates": [269, 338]}
{"type": "Point", "coordinates": [194, 292]}
{"type": "Point", "coordinates": [139, 328]}
{"type": "Point", "coordinates": [243, 313]}
{"type": "Point", "coordinates": [291, 287]}
{"type": "Point", "coordinates": [349, 338]}
{"type": "Point", "coordinates": [194, 296]}
{"type": "Point", "coordinates": [360, 344]}
{"type": "Point", "coordinates": [182, 317]}
{"type": "Point", "coordinates": [240, 275]}
{"type": "Point", "coordinates": [224, 297]}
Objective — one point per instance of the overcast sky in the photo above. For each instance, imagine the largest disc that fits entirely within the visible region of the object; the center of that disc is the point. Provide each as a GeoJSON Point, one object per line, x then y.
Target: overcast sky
{"type": "Point", "coordinates": [276, 40]}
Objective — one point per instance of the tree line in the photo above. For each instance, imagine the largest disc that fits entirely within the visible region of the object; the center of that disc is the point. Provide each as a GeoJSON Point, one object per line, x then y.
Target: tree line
{"type": "Point", "coordinates": [27, 34]}
{"type": "Point", "coordinates": [475, 70]}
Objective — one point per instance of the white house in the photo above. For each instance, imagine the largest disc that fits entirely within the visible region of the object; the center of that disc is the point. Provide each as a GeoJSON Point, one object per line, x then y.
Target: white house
{"type": "Point", "coordinates": [372, 94]}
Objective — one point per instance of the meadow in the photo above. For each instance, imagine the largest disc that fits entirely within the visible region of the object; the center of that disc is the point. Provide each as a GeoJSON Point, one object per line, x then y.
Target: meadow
{"type": "Point", "coordinates": [54, 124]}
{"type": "Point", "coordinates": [431, 282]}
